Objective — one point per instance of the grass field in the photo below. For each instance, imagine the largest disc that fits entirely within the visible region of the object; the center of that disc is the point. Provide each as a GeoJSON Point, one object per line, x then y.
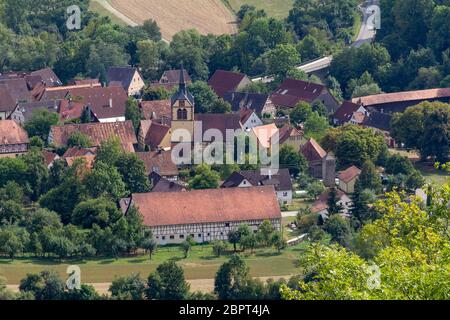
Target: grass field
{"type": "Point", "coordinates": [432, 175]}
{"type": "Point", "coordinates": [201, 264]}
{"type": "Point", "coordinates": [96, 7]}
{"type": "Point", "coordinates": [274, 8]}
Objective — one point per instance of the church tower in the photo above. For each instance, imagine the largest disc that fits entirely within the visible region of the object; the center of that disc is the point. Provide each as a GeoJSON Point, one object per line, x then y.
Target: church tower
{"type": "Point", "coordinates": [182, 106]}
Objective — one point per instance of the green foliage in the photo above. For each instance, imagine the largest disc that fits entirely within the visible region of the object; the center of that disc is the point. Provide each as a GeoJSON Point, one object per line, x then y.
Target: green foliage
{"type": "Point", "coordinates": [78, 139]}
{"type": "Point", "coordinates": [167, 283]}
{"type": "Point", "coordinates": [40, 122]}
{"type": "Point", "coordinates": [133, 113]}
{"type": "Point", "coordinates": [128, 288]}
{"type": "Point", "coordinates": [204, 178]}
{"type": "Point", "coordinates": [96, 211]}
{"type": "Point", "coordinates": [300, 113]}
{"type": "Point", "coordinates": [424, 127]}
{"type": "Point", "coordinates": [292, 160]}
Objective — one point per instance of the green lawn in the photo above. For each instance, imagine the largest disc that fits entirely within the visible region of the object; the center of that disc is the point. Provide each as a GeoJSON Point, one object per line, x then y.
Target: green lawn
{"type": "Point", "coordinates": [432, 175]}
{"type": "Point", "coordinates": [96, 7]}
{"type": "Point", "coordinates": [275, 8]}
{"type": "Point", "coordinates": [201, 264]}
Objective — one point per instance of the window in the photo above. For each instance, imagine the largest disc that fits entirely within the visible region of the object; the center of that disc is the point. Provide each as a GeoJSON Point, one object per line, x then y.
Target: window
{"type": "Point", "coordinates": [227, 225]}
{"type": "Point", "coordinates": [199, 235]}
{"type": "Point", "coordinates": [181, 236]}
{"type": "Point", "coordinates": [163, 237]}
{"type": "Point", "coordinates": [172, 237]}
{"type": "Point", "coordinates": [285, 194]}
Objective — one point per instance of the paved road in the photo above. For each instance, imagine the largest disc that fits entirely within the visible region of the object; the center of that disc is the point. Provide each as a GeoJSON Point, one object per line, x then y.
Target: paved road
{"type": "Point", "coordinates": [366, 33]}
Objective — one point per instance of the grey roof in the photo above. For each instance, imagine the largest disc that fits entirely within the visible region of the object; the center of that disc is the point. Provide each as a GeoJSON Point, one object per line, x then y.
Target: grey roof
{"type": "Point", "coordinates": [18, 89]}
{"type": "Point", "coordinates": [241, 100]}
{"type": "Point", "coordinates": [281, 181]}
{"type": "Point", "coordinates": [378, 120]}
{"type": "Point", "coordinates": [27, 108]}
{"type": "Point", "coordinates": [123, 75]}
{"type": "Point", "coordinates": [182, 94]}
{"type": "Point", "coordinates": [173, 76]}
{"type": "Point", "coordinates": [48, 77]}
{"type": "Point", "coordinates": [7, 103]}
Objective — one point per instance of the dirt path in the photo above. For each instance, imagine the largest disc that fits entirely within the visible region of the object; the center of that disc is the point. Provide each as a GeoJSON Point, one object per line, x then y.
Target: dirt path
{"type": "Point", "coordinates": [120, 15]}
{"type": "Point", "coordinates": [202, 285]}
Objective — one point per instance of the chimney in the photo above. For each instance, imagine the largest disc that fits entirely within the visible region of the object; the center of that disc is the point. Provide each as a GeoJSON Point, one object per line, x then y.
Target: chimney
{"type": "Point", "coordinates": [110, 103]}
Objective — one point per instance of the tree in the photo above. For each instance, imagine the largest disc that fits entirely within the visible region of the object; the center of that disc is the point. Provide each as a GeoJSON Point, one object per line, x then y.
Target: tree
{"type": "Point", "coordinates": [205, 97]}
{"type": "Point", "coordinates": [360, 211]}
{"type": "Point", "coordinates": [128, 288]}
{"type": "Point", "coordinates": [36, 173]}
{"type": "Point", "coordinates": [265, 231]}
{"type": "Point", "coordinates": [219, 247]}
{"type": "Point", "coordinates": [369, 177]}
{"type": "Point", "coordinates": [155, 93]}
{"type": "Point", "coordinates": [40, 122]}
{"type": "Point", "coordinates": [316, 126]}
{"type": "Point", "coordinates": [300, 113]}
{"type": "Point", "coordinates": [133, 173]}
{"type": "Point", "coordinates": [101, 212]}
{"type": "Point", "coordinates": [281, 59]}
{"type": "Point", "coordinates": [167, 283]}
{"type": "Point", "coordinates": [425, 128]}
{"type": "Point", "coordinates": [231, 279]}
{"type": "Point", "coordinates": [292, 160]}
{"type": "Point", "coordinates": [109, 151]}
{"type": "Point", "coordinates": [152, 29]}
{"type": "Point", "coordinates": [187, 246]}
{"type": "Point", "coordinates": [78, 139]}
{"type": "Point", "coordinates": [278, 241]}
{"type": "Point", "coordinates": [334, 207]}
{"type": "Point", "coordinates": [150, 246]}
{"type": "Point", "coordinates": [315, 189]}
{"type": "Point", "coordinates": [234, 237]}
{"type": "Point", "coordinates": [249, 241]}
{"type": "Point", "coordinates": [221, 106]}
{"type": "Point", "coordinates": [13, 240]}
{"type": "Point", "coordinates": [437, 36]}
{"type": "Point", "coordinates": [105, 179]}
{"type": "Point", "coordinates": [204, 178]}
{"type": "Point", "coordinates": [133, 113]}
{"type": "Point", "coordinates": [44, 286]}
{"type": "Point", "coordinates": [415, 180]}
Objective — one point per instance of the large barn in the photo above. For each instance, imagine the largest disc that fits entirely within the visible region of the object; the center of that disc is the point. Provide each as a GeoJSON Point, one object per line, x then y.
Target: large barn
{"type": "Point", "coordinates": [206, 215]}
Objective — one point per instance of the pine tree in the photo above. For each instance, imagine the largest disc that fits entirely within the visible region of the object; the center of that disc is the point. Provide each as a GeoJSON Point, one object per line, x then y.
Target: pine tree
{"type": "Point", "coordinates": [333, 206]}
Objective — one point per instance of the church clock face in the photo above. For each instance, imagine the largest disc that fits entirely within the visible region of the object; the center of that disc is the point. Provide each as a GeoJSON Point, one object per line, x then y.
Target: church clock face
{"type": "Point", "coordinates": [182, 103]}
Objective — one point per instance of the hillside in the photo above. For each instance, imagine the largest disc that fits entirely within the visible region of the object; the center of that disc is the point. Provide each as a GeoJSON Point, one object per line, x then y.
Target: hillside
{"type": "Point", "coordinates": [207, 16]}
{"type": "Point", "coordinates": [275, 8]}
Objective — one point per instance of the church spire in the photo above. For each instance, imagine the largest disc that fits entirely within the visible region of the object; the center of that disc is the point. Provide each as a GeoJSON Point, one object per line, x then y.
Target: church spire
{"type": "Point", "coordinates": [182, 85]}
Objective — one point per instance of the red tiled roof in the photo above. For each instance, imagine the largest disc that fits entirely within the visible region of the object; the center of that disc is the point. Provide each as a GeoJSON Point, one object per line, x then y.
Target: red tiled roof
{"type": "Point", "coordinates": [97, 98]}
{"type": "Point", "coordinates": [225, 81]}
{"type": "Point", "coordinates": [97, 132]}
{"type": "Point", "coordinates": [156, 109]}
{"type": "Point", "coordinates": [313, 151]}
{"type": "Point", "coordinates": [292, 91]}
{"type": "Point", "coordinates": [89, 161]}
{"type": "Point", "coordinates": [156, 134]}
{"type": "Point", "coordinates": [12, 133]}
{"type": "Point", "coordinates": [403, 96]}
{"type": "Point", "coordinates": [7, 103]}
{"type": "Point", "coordinates": [245, 114]}
{"type": "Point", "coordinates": [173, 77]}
{"type": "Point", "coordinates": [79, 152]}
{"type": "Point", "coordinates": [208, 206]}
{"type": "Point", "coordinates": [265, 133]}
{"type": "Point", "coordinates": [161, 162]}
{"type": "Point", "coordinates": [345, 112]}
{"type": "Point", "coordinates": [69, 110]}
{"type": "Point", "coordinates": [18, 89]}
{"type": "Point", "coordinates": [49, 157]}
{"type": "Point", "coordinates": [219, 121]}
{"type": "Point", "coordinates": [288, 131]}
{"type": "Point", "coordinates": [349, 174]}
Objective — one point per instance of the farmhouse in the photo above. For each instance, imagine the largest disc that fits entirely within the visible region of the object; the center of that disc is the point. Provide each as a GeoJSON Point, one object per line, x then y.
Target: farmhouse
{"type": "Point", "coordinates": [399, 101]}
{"type": "Point", "coordinates": [292, 137]}
{"type": "Point", "coordinates": [347, 179]}
{"type": "Point", "coordinates": [161, 184]}
{"type": "Point", "coordinates": [159, 162]}
{"type": "Point", "coordinates": [106, 104]}
{"type": "Point", "coordinates": [97, 133]}
{"type": "Point", "coordinates": [206, 215]}
{"type": "Point", "coordinates": [13, 139]}
{"type": "Point", "coordinates": [345, 112]}
{"type": "Point", "coordinates": [223, 82]}
{"type": "Point", "coordinates": [128, 77]}
{"type": "Point", "coordinates": [253, 178]}
{"type": "Point", "coordinates": [321, 205]}
{"type": "Point", "coordinates": [249, 119]}
{"type": "Point", "coordinates": [24, 111]}
{"type": "Point", "coordinates": [292, 91]}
